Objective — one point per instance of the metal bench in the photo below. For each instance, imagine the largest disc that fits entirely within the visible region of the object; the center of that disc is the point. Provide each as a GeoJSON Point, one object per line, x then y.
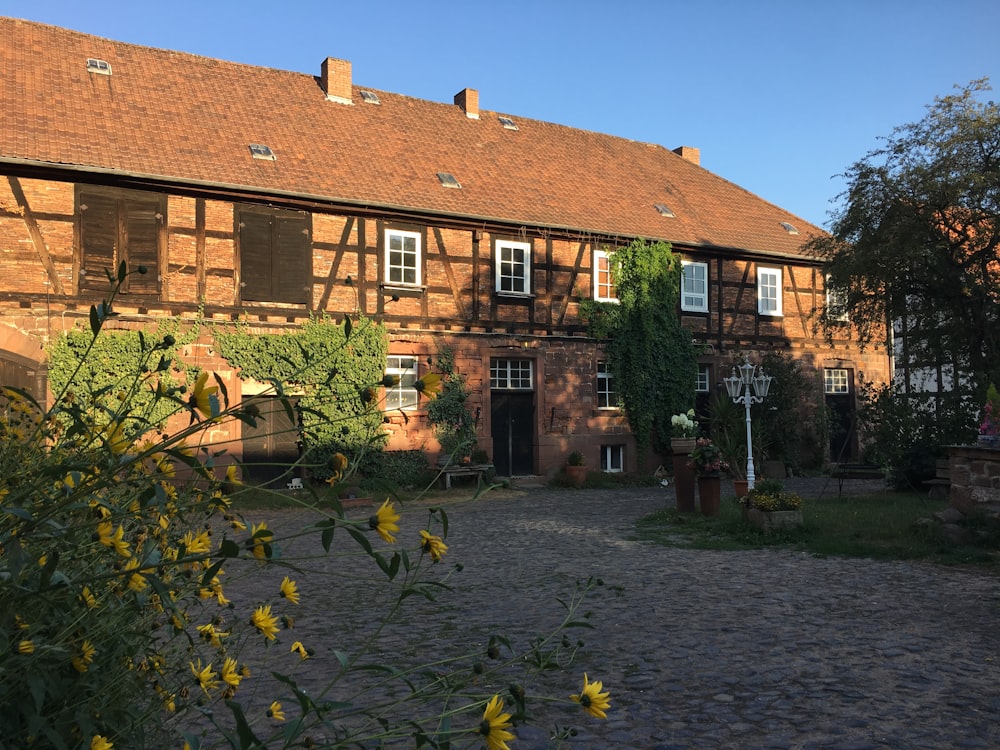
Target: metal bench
{"type": "Point", "coordinates": [842, 472]}
{"type": "Point", "coordinates": [463, 470]}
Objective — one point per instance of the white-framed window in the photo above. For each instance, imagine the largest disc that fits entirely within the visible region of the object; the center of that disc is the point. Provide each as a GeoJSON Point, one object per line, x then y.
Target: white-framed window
{"type": "Point", "coordinates": [511, 374]}
{"type": "Point", "coordinates": [402, 257]}
{"type": "Point", "coordinates": [513, 267]}
{"type": "Point", "coordinates": [835, 381]}
{"type": "Point", "coordinates": [607, 397]}
{"type": "Point", "coordinates": [694, 286]}
{"type": "Point", "coordinates": [612, 458]}
{"type": "Point", "coordinates": [402, 395]}
{"type": "Point", "coordinates": [701, 383]}
{"type": "Point", "coordinates": [604, 285]}
{"type": "Point", "coordinates": [836, 303]}
{"type": "Point", "coordinates": [768, 291]}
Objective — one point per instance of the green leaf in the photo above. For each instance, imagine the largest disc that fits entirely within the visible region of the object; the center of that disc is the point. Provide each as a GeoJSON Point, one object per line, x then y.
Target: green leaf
{"type": "Point", "coordinates": [229, 548]}
{"type": "Point", "coordinates": [95, 320]}
{"type": "Point", "coordinates": [360, 538]}
{"type": "Point", "coordinates": [122, 272]}
{"type": "Point", "coordinates": [206, 579]}
{"type": "Point", "coordinates": [247, 738]}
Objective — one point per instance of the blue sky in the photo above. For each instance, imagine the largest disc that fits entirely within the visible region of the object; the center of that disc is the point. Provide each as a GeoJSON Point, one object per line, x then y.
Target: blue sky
{"type": "Point", "coordinates": [779, 95]}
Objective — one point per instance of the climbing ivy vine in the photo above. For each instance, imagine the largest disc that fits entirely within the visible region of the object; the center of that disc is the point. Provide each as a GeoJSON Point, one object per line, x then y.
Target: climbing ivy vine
{"type": "Point", "coordinates": [652, 358]}
{"type": "Point", "coordinates": [332, 368]}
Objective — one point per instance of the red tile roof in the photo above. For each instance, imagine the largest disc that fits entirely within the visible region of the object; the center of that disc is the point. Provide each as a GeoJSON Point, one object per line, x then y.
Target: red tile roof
{"type": "Point", "coordinates": [176, 117]}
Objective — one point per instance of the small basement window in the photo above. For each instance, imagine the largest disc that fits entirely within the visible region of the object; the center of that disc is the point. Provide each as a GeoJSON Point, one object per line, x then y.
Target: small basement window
{"type": "Point", "coordinates": [260, 151]}
{"type": "Point", "coordinates": [370, 97]}
{"type": "Point", "coordinates": [448, 180]}
{"type": "Point", "coordinates": [508, 123]}
{"type": "Point", "coordinates": [98, 66]}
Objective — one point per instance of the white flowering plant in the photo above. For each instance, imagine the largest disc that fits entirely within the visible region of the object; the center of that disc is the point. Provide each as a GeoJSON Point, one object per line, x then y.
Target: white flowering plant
{"type": "Point", "coordinates": [684, 425]}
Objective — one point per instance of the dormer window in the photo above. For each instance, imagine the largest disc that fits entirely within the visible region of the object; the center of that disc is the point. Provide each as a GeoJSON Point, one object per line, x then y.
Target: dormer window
{"type": "Point", "coordinates": [508, 123]}
{"type": "Point", "coordinates": [664, 210]}
{"type": "Point", "coordinates": [448, 180]}
{"type": "Point", "coordinates": [790, 228]}
{"type": "Point", "coordinates": [103, 67]}
{"type": "Point", "coordinates": [260, 151]}
{"type": "Point", "coordinates": [370, 97]}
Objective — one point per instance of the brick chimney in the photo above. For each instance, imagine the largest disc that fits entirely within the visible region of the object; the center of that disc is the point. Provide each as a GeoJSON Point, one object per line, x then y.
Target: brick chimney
{"type": "Point", "coordinates": [335, 78]}
{"type": "Point", "coordinates": [468, 99]}
{"type": "Point", "coordinates": [690, 153]}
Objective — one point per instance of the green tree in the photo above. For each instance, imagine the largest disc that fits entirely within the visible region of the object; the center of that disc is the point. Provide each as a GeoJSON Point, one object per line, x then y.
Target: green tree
{"type": "Point", "coordinates": [917, 238]}
{"type": "Point", "coordinates": [652, 358]}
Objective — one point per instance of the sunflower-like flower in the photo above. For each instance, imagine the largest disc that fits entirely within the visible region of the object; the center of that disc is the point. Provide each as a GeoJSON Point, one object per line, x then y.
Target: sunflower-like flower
{"type": "Point", "coordinates": [594, 702]}
{"type": "Point", "coordinates": [275, 712]}
{"type": "Point", "coordinates": [26, 646]}
{"type": "Point", "coordinates": [429, 385]}
{"type": "Point", "coordinates": [495, 724]}
{"type": "Point", "coordinates": [302, 651]}
{"type": "Point", "coordinates": [205, 676]}
{"type": "Point", "coordinates": [433, 545]}
{"type": "Point", "coordinates": [109, 536]}
{"type": "Point", "coordinates": [88, 598]}
{"type": "Point", "coordinates": [114, 437]}
{"type": "Point", "coordinates": [385, 522]}
{"type": "Point", "coordinates": [136, 581]}
{"type": "Point", "coordinates": [212, 635]}
{"type": "Point", "coordinates": [289, 590]}
{"type": "Point", "coordinates": [197, 544]}
{"type": "Point", "coordinates": [204, 397]}
{"type": "Point", "coordinates": [100, 742]}
{"type": "Point", "coordinates": [265, 622]}
{"type": "Point", "coordinates": [260, 540]}
{"type": "Point", "coordinates": [81, 661]}
{"type": "Point", "coordinates": [230, 672]}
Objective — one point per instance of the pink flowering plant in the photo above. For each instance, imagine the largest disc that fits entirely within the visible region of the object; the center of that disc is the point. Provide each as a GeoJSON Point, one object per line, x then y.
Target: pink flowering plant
{"type": "Point", "coordinates": [706, 458]}
{"type": "Point", "coordinates": [991, 413]}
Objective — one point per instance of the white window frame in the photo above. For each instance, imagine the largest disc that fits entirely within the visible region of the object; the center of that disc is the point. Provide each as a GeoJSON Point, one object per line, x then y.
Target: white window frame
{"type": "Point", "coordinates": [512, 375]}
{"type": "Point", "coordinates": [836, 309]}
{"type": "Point", "coordinates": [395, 273]}
{"type": "Point", "coordinates": [403, 395]}
{"type": "Point", "coordinates": [769, 286]}
{"type": "Point", "coordinates": [607, 396]}
{"type": "Point", "coordinates": [507, 268]}
{"type": "Point", "coordinates": [604, 288]}
{"type": "Point", "coordinates": [694, 299]}
{"type": "Point", "coordinates": [836, 381]}
{"type": "Point", "coordinates": [702, 382]}
{"type": "Point", "coordinates": [613, 458]}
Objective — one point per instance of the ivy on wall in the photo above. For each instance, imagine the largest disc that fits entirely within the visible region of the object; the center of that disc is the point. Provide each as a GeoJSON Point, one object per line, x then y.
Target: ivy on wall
{"type": "Point", "coordinates": [332, 367]}
{"type": "Point", "coordinates": [653, 359]}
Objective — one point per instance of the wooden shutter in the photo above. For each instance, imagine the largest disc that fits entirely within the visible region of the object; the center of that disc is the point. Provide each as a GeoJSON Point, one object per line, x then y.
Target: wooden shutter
{"type": "Point", "coordinates": [293, 259]}
{"type": "Point", "coordinates": [142, 234]}
{"type": "Point", "coordinates": [255, 257]}
{"type": "Point", "coordinates": [98, 238]}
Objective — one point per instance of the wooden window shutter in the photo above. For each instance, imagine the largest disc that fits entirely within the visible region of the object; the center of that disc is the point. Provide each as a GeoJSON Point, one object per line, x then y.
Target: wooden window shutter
{"type": "Point", "coordinates": [255, 257]}
{"type": "Point", "coordinates": [98, 238]}
{"type": "Point", "coordinates": [292, 260]}
{"type": "Point", "coordinates": [142, 230]}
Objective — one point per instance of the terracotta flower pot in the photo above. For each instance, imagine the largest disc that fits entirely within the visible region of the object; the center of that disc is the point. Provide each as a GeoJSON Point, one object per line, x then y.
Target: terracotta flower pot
{"type": "Point", "coordinates": [709, 494]}
{"type": "Point", "coordinates": [741, 487]}
{"type": "Point", "coordinates": [577, 475]}
{"type": "Point", "coordinates": [683, 476]}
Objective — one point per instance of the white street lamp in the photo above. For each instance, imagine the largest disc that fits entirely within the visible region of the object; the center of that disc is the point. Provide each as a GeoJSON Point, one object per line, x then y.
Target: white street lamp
{"type": "Point", "coordinates": [739, 388]}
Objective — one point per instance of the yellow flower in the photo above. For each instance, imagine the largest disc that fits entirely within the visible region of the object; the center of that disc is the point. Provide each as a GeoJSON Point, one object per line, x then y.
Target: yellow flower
{"type": "Point", "coordinates": [275, 712]}
{"type": "Point", "coordinates": [81, 662]}
{"type": "Point", "coordinates": [232, 474]}
{"type": "Point", "coordinates": [302, 651]}
{"type": "Point", "coordinates": [260, 537]}
{"type": "Point", "coordinates": [114, 437]}
{"type": "Point", "coordinates": [26, 647]}
{"type": "Point", "coordinates": [211, 635]}
{"type": "Point", "coordinates": [594, 702]}
{"type": "Point", "coordinates": [137, 581]}
{"type": "Point", "coordinates": [111, 537]}
{"type": "Point", "coordinates": [338, 465]}
{"type": "Point", "coordinates": [290, 590]}
{"type": "Point", "coordinates": [494, 725]}
{"type": "Point", "coordinates": [203, 398]}
{"type": "Point", "coordinates": [384, 522]}
{"type": "Point", "coordinates": [230, 673]}
{"type": "Point", "coordinates": [265, 622]}
{"type": "Point", "coordinates": [429, 385]}
{"type": "Point", "coordinates": [88, 598]}
{"type": "Point", "coordinates": [205, 676]}
{"type": "Point", "coordinates": [100, 743]}
{"type": "Point", "coordinates": [196, 543]}
{"type": "Point", "coordinates": [433, 545]}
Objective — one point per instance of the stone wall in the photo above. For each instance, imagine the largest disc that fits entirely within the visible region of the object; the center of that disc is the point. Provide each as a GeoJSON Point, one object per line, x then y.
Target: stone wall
{"type": "Point", "coordinates": [975, 478]}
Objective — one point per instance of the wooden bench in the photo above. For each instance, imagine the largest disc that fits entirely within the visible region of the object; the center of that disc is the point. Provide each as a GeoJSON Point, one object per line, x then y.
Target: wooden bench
{"type": "Point", "coordinates": [463, 470]}
{"type": "Point", "coordinates": [842, 472]}
{"type": "Point", "coordinates": [940, 485]}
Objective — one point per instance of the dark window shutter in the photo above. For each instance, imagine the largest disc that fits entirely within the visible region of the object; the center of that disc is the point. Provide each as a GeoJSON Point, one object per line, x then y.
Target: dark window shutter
{"type": "Point", "coordinates": [293, 260]}
{"type": "Point", "coordinates": [98, 237]}
{"type": "Point", "coordinates": [255, 257]}
{"type": "Point", "coordinates": [142, 243]}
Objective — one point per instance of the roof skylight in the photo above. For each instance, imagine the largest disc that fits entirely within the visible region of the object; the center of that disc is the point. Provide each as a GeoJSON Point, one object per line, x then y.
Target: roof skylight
{"type": "Point", "coordinates": [789, 228]}
{"type": "Point", "coordinates": [664, 210]}
{"type": "Point", "coordinates": [370, 97]}
{"type": "Point", "coordinates": [260, 151]}
{"type": "Point", "coordinates": [98, 66]}
{"type": "Point", "coordinates": [507, 123]}
{"type": "Point", "coordinates": [448, 180]}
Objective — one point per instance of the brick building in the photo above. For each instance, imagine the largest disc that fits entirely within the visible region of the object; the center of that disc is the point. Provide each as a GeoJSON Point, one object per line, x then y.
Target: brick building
{"type": "Point", "coordinates": [255, 193]}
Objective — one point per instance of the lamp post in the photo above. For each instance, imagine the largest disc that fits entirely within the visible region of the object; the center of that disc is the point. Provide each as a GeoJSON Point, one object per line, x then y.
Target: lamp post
{"type": "Point", "coordinates": [739, 387]}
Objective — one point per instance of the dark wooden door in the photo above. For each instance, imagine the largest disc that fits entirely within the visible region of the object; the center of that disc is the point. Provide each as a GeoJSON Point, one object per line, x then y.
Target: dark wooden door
{"type": "Point", "coordinates": [270, 448]}
{"type": "Point", "coordinates": [513, 432]}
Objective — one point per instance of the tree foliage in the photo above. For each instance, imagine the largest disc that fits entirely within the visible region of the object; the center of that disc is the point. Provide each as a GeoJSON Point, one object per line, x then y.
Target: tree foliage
{"type": "Point", "coordinates": [917, 240]}
{"type": "Point", "coordinates": [652, 358]}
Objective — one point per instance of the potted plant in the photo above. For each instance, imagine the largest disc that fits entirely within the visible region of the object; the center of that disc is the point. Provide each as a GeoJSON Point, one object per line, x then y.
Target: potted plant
{"type": "Point", "coordinates": [989, 429]}
{"type": "Point", "coordinates": [767, 506]}
{"type": "Point", "coordinates": [708, 463]}
{"type": "Point", "coordinates": [576, 469]}
{"type": "Point", "coordinates": [684, 428]}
